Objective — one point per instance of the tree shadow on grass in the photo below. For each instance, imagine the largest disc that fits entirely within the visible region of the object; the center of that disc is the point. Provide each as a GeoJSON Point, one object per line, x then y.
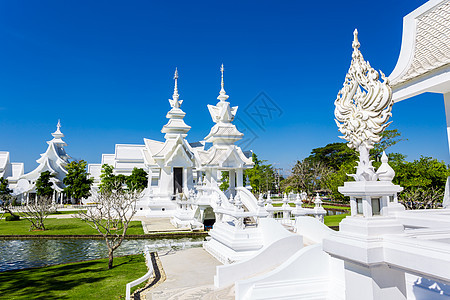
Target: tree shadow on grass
{"type": "Point", "coordinates": [47, 283]}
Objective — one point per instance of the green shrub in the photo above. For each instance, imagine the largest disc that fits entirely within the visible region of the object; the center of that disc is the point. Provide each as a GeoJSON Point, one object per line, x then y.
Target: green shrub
{"type": "Point", "coordinates": [12, 218]}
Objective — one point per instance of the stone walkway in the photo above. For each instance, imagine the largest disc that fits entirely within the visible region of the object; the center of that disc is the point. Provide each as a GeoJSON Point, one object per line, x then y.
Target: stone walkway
{"type": "Point", "coordinates": [154, 225]}
{"type": "Point", "coordinates": [189, 275]}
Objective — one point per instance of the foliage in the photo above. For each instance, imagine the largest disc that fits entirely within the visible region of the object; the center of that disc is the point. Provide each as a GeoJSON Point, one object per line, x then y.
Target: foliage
{"type": "Point", "coordinates": [336, 179]}
{"type": "Point", "coordinates": [225, 181]}
{"type": "Point", "coordinates": [261, 176]}
{"type": "Point", "coordinates": [112, 216]}
{"type": "Point", "coordinates": [342, 160]}
{"type": "Point", "coordinates": [80, 280]}
{"type": "Point", "coordinates": [4, 190]}
{"type": "Point", "coordinates": [107, 179]}
{"type": "Point", "coordinates": [423, 181]}
{"type": "Point", "coordinates": [333, 155]}
{"type": "Point", "coordinates": [388, 138]}
{"type": "Point", "coordinates": [6, 199]}
{"type": "Point", "coordinates": [309, 176]}
{"type": "Point", "coordinates": [78, 185]}
{"type": "Point", "coordinates": [12, 218]}
{"type": "Point", "coordinates": [138, 180]}
{"type": "Point", "coordinates": [44, 184]}
{"type": "Point", "coordinates": [421, 198]}
{"type": "Point", "coordinates": [37, 211]}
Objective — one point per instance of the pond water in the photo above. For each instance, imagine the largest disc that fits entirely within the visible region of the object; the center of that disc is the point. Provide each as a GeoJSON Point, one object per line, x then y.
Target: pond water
{"type": "Point", "coordinates": [28, 253]}
{"type": "Point", "coordinates": [333, 212]}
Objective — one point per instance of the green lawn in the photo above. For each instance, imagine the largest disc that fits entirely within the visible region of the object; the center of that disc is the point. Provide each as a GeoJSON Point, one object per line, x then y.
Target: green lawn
{"type": "Point", "coordinates": [81, 280]}
{"type": "Point", "coordinates": [70, 226]}
{"type": "Point", "coordinates": [334, 220]}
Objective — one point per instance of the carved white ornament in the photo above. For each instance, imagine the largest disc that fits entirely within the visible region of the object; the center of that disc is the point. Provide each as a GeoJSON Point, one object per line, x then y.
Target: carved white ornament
{"type": "Point", "coordinates": [363, 107]}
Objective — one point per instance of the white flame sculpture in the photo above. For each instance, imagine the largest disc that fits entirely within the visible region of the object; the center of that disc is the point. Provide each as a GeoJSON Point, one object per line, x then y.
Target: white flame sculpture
{"type": "Point", "coordinates": [363, 107]}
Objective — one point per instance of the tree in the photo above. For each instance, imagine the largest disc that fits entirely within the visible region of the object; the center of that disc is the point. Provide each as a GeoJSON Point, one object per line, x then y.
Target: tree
{"type": "Point", "coordinates": [6, 199]}
{"type": "Point", "coordinates": [333, 155]}
{"type": "Point", "coordinates": [44, 184]}
{"type": "Point", "coordinates": [138, 180]}
{"type": "Point", "coordinates": [112, 215]}
{"type": "Point", "coordinates": [388, 138]}
{"type": "Point", "coordinates": [337, 178]}
{"type": "Point", "coordinates": [107, 178]}
{"type": "Point", "coordinates": [37, 211]}
{"type": "Point", "coordinates": [308, 176]}
{"type": "Point", "coordinates": [78, 185]}
{"type": "Point", "coordinates": [261, 176]}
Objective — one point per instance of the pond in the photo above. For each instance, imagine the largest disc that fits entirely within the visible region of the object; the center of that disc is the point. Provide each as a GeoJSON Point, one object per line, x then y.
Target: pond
{"type": "Point", "coordinates": [333, 212]}
{"type": "Point", "coordinates": [36, 252]}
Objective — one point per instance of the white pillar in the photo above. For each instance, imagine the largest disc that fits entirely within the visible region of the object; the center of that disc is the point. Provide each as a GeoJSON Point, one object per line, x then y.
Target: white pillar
{"type": "Point", "coordinates": [232, 180]}
{"type": "Point", "coordinates": [240, 178]}
{"type": "Point", "coordinates": [185, 180]}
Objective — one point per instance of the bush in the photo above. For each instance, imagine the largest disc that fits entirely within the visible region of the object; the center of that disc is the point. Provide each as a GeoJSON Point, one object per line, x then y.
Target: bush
{"type": "Point", "coordinates": [12, 218]}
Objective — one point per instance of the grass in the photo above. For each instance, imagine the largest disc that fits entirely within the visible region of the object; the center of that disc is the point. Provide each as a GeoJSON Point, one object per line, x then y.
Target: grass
{"type": "Point", "coordinates": [58, 212]}
{"type": "Point", "coordinates": [334, 220]}
{"type": "Point", "coordinates": [81, 280]}
{"type": "Point", "coordinates": [70, 226]}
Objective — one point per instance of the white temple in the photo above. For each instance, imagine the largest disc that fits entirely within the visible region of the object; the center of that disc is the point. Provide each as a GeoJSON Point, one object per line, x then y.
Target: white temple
{"type": "Point", "coordinates": [184, 177]}
{"type": "Point", "coordinates": [54, 160]}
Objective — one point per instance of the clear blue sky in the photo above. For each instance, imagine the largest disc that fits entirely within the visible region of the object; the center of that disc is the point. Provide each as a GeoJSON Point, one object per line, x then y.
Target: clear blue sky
{"type": "Point", "coordinates": [105, 69]}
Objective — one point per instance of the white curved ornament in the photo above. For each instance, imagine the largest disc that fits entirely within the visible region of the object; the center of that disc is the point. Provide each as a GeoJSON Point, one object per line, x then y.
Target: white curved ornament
{"type": "Point", "coordinates": [362, 108]}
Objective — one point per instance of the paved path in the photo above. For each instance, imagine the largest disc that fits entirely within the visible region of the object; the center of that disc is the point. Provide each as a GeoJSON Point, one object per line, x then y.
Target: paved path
{"type": "Point", "coordinates": [153, 225]}
{"type": "Point", "coordinates": [189, 275]}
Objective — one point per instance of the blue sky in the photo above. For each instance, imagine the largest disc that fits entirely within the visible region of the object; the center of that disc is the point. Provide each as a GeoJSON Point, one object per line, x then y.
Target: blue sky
{"type": "Point", "coordinates": [105, 69]}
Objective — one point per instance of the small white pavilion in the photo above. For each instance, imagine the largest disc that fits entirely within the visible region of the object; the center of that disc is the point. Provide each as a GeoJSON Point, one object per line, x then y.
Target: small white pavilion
{"type": "Point", "coordinates": [54, 160]}
{"type": "Point", "coordinates": [224, 155]}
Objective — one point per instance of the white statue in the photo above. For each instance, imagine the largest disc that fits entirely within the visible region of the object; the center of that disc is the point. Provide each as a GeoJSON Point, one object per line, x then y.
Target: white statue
{"type": "Point", "coordinates": [363, 107]}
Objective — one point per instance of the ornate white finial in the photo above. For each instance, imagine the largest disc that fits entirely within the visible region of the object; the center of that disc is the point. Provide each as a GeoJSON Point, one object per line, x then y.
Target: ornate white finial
{"type": "Point", "coordinates": [231, 200]}
{"type": "Point", "coordinates": [175, 103]}
{"type": "Point", "coordinates": [363, 107]}
{"type": "Point", "coordinates": [175, 89]}
{"type": "Point", "coordinates": [58, 126]}
{"type": "Point", "coordinates": [222, 95]}
{"type": "Point", "coordinates": [385, 171]}
{"type": "Point", "coordinates": [355, 43]}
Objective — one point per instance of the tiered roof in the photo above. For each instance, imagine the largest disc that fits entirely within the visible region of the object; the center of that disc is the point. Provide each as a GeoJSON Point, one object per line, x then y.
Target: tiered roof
{"type": "Point", "coordinates": [54, 160]}
{"type": "Point", "coordinates": [223, 135]}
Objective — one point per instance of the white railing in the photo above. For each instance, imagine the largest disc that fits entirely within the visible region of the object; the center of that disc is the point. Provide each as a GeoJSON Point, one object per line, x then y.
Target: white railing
{"type": "Point", "coordinates": [143, 278]}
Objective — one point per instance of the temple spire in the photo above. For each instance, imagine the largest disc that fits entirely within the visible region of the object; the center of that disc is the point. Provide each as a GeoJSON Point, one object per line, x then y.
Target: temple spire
{"type": "Point", "coordinates": [175, 103]}
{"type": "Point", "coordinates": [355, 43]}
{"type": "Point", "coordinates": [176, 96]}
{"type": "Point", "coordinates": [222, 95]}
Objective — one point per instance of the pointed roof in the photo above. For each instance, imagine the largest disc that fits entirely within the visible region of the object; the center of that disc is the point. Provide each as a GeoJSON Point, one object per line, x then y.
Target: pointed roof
{"type": "Point", "coordinates": [223, 114]}
{"type": "Point", "coordinates": [54, 159]}
{"type": "Point", "coordinates": [175, 125]}
{"type": "Point", "coordinates": [57, 136]}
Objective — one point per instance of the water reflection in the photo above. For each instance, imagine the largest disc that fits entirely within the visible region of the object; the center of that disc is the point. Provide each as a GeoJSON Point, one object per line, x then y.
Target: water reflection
{"type": "Point", "coordinates": [28, 253]}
